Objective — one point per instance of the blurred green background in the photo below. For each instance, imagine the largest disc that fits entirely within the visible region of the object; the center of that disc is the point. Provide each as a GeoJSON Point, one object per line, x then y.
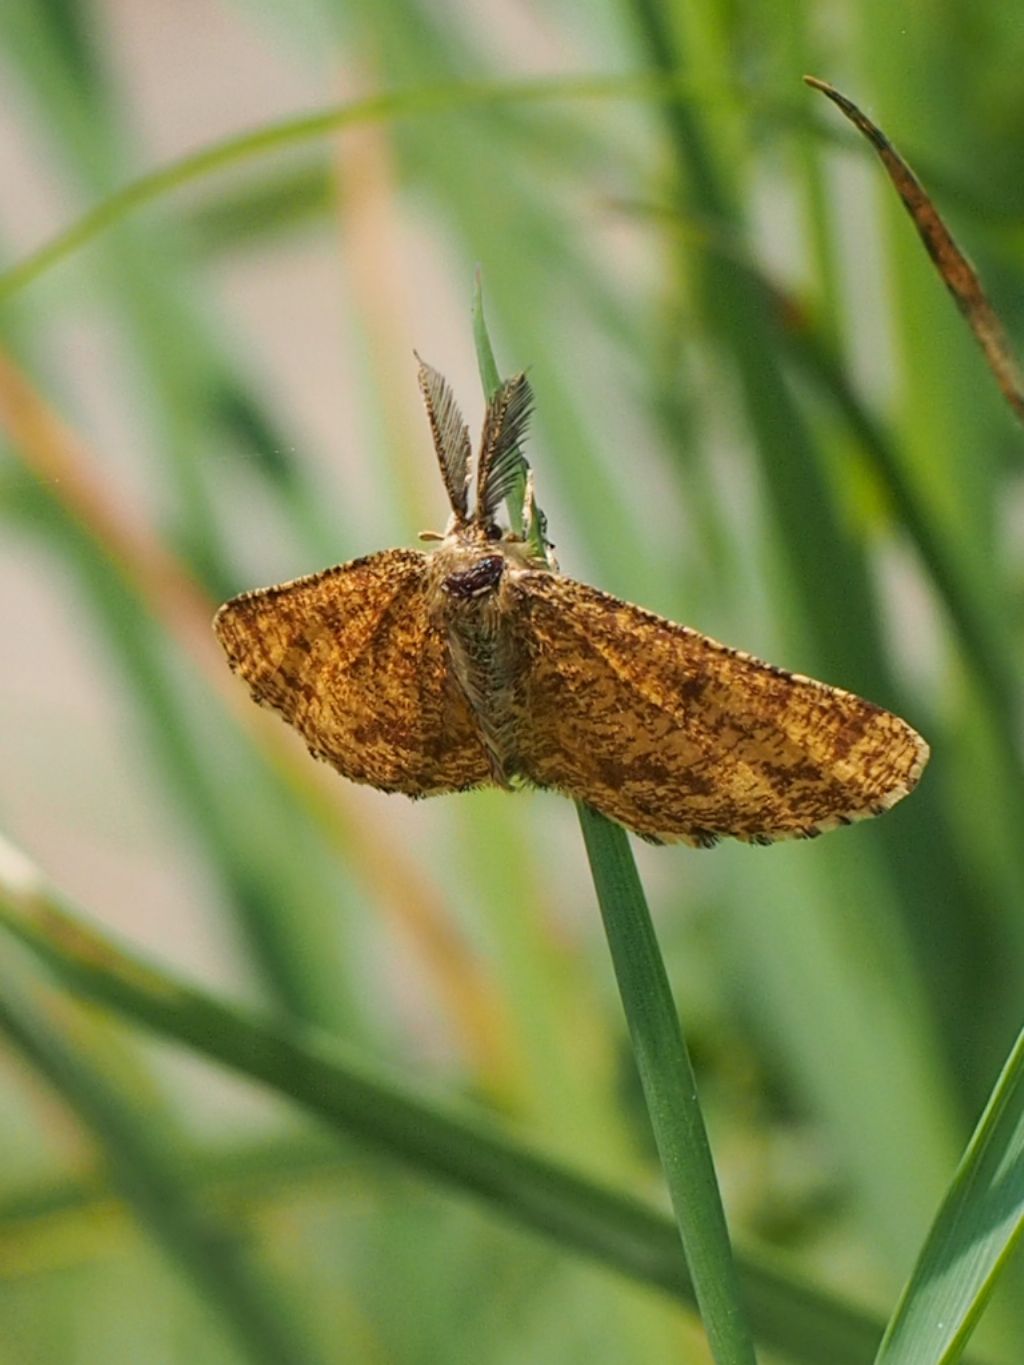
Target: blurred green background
{"type": "Point", "coordinates": [758, 412]}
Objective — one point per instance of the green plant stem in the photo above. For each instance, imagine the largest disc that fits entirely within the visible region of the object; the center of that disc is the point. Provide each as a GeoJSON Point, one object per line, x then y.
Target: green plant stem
{"type": "Point", "coordinates": [661, 1056]}
{"type": "Point", "coordinates": [669, 1087]}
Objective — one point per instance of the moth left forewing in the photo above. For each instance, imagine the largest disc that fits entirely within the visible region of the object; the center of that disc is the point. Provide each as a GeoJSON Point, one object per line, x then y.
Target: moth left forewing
{"type": "Point", "coordinates": [681, 738]}
{"type": "Point", "coordinates": [354, 659]}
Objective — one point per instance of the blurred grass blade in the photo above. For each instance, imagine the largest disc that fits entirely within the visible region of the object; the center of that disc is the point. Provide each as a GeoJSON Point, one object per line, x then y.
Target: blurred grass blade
{"type": "Point", "coordinates": [985, 648]}
{"type": "Point", "coordinates": [977, 1228]}
{"type": "Point", "coordinates": [241, 1179]}
{"type": "Point", "coordinates": [441, 98]}
{"type": "Point", "coordinates": [740, 319]}
{"type": "Point", "coordinates": [959, 276]}
{"type": "Point", "coordinates": [439, 1139]}
{"type": "Point", "coordinates": [828, 606]}
{"type": "Point", "coordinates": [144, 1168]}
{"type": "Point", "coordinates": [669, 1087]}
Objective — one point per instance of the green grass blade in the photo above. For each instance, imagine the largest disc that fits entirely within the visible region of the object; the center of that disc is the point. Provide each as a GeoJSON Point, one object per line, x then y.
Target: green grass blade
{"type": "Point", "coordinates": [670, 1089]}
{"type": "Point", "coordinates": [970, 1241]}
{"type": "Point", "coordinates": [458, 95]}
{"type": "Point", "coordinates": [442, 1140]}
{"type": "Point", "coordinates": [490, 377]}
{"type": "Point", "coordinates": [658, 1045]}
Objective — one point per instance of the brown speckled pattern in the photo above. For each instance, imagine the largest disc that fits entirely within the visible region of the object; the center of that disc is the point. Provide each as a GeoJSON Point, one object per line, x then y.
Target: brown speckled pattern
{"type": "Point", "coordinates": [348, 656]}
{"type": "Point", "coordinates": [680, 738]}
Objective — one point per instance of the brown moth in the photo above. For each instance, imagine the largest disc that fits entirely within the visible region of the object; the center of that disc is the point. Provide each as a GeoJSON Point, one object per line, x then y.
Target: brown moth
{"type": "Point", "coordinates": [480, 664]}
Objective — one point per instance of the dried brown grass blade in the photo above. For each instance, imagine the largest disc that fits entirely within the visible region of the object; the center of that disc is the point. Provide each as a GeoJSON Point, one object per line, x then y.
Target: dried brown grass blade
{"type": "Point", "coordinates": [960, 277]}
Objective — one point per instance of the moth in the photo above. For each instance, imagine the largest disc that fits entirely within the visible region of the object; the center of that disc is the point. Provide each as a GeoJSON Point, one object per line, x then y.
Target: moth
{"type": "Point", "coordinates": [479, 664]}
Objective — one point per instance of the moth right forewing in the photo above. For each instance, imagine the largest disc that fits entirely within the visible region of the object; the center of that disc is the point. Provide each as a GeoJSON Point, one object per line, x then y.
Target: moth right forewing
{"type": "Point", "coordinates": [355, 660]}
{"type": "Point", "coordinates": [679, 737]}
{"type": "Point", "coordinates": [450, 434]}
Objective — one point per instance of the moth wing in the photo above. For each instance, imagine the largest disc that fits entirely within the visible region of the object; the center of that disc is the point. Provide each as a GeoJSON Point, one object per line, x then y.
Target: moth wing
{"type": "Point", "coordinates": [678, 737]}
{"type": "Point", "coordinates": [353, 658]}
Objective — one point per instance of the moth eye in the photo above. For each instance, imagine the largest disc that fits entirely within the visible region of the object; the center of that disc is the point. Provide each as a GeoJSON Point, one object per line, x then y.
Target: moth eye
{"type": "Point", "coordinates": [493, 532]}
